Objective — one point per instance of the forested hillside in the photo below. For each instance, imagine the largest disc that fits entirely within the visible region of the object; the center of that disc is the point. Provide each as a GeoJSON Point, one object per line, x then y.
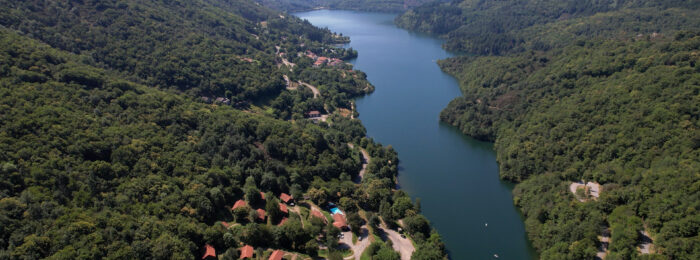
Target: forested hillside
{"type": "Point", "coordinates": [109, 147]}
{"type": "Point", "coordinates": [606, 92]}
{"type": "Point", "coordinates": [360, 5]}
{"type": "Point", "coordinates": [204, 48]}
{"type": "Point", "coordinates": [499, 27]}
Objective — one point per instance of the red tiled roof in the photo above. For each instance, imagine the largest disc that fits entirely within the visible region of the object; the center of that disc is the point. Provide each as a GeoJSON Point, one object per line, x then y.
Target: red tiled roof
{"type": "Point", "coordinates": [225, 224]}
{"type": "Point", "coordinates": [339, 225]}
{"type": "Point", "coordinates": [238, 204]}
{"type": "Point", "coordinates": [209, 251]}
{"type": "Point", "coordinates": [336, 62]}
{"type": "Point", "coordinates": [283, 208]}
{"type": "Point", "coordinates": [284, 220]}
{"type": "Point", "coordinates": [246, 252]}
{"type": "Point", "coordinates": [339, 221]}
{"type": "Point", "coordinates": [276, 255]}
{"type": "Point", "coordinates": [261, 214]}
{"type": "Point", "coordinates": [285, 197]}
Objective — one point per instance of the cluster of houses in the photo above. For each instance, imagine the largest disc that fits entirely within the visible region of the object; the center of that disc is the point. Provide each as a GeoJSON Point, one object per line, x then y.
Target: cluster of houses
{"type": "Point", "coordinates": [247, 251]}
{"type": "Point", "coordinates": [261, 214]}
{"type": "Point", "coordinates": [321, 60]}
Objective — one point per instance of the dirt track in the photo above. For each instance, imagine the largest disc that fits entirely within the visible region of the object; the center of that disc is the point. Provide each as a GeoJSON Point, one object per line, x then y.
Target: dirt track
{"type": "Point", "coordinates": [365, 162]}
{"type": "Point", "coordinates": [317, 93]}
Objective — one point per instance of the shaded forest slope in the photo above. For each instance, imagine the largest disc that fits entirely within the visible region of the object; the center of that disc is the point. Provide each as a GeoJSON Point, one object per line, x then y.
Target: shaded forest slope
{"type": "Point", "coordinates": [604, 92]}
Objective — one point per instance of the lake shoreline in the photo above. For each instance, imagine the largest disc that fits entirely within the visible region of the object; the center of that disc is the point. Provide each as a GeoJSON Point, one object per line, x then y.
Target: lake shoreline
{"type": "Point", "coordinates": [451, 173]}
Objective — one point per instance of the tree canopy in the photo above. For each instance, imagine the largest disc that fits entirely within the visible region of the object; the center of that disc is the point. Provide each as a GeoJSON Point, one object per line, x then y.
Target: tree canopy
{"type": "Point", "coordinates": [109, 149]}
{"type": "Point", "coordinates": [603, 91]}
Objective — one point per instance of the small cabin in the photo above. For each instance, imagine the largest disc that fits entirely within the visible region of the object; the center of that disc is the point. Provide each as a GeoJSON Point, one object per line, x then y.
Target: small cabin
{"type": "Point", "coordinates": [286, 198]}
{"type": "Point", "coordinates": [246, 252]}
{"type": "Point", "coordinates": [313, 114]}
{"type": "Point", "coordinates": [261, 214]}
{"type": "Point", "coordinates": [238, 204]}
{"type": "Point", "coordinates": [209, 252]}
{"type": "Point", "coordinates": [276, 255]}
{"type": "Point", "coordinates": [283, 208]}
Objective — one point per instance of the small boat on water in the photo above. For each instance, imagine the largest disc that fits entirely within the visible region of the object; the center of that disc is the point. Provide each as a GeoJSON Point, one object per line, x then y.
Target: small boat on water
{"type": "Point", "coordinates": [495, 255]}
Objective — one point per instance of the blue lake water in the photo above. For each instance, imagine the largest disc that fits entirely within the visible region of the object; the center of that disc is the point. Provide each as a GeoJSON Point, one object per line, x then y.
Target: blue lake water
{"type": "Point", "coordinates": [456, 177]}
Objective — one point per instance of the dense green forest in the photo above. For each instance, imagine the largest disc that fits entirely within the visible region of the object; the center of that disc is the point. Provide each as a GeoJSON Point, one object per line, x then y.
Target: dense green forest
{"type": "Point", "coordinates": [602, 91]}
{"type": "Point", "coordinates": [203, 48]}
{"type": "Point", "coordinates": [360, 5]}
{"type": "Point", "coordinates": [500, 27]}
{"type": "Point", "coordinates": [108, 149]}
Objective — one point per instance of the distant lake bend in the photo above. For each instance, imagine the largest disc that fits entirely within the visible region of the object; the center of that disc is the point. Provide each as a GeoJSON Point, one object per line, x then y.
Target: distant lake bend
{"type": "Point", "coordinates": [456, 177]}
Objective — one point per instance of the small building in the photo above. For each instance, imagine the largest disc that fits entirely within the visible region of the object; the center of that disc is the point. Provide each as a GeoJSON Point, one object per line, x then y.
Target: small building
{"type": "Point", "coordinates": [283, 208]}
{"type": "Point", "coordinates": [261, 214]}
{"type": "Point", "coordinates": [262, 195]}
{"type": "Point", "coordinates": [246, 252]}
{"type": "Point", "coordinates": [286, 198]}
{"type": "Point", "coordinates": [225, 224]}
{"type": "Point", "coordinates": [238, 204]}
{"type": "Point", "coordinates": [313, 114]}
{"type": "Point", "coordinates": [276, 255]}
{"type": "Point", "coordinates": [209, 252]}
{"type": "Point", "coordinates": [340, 222]}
